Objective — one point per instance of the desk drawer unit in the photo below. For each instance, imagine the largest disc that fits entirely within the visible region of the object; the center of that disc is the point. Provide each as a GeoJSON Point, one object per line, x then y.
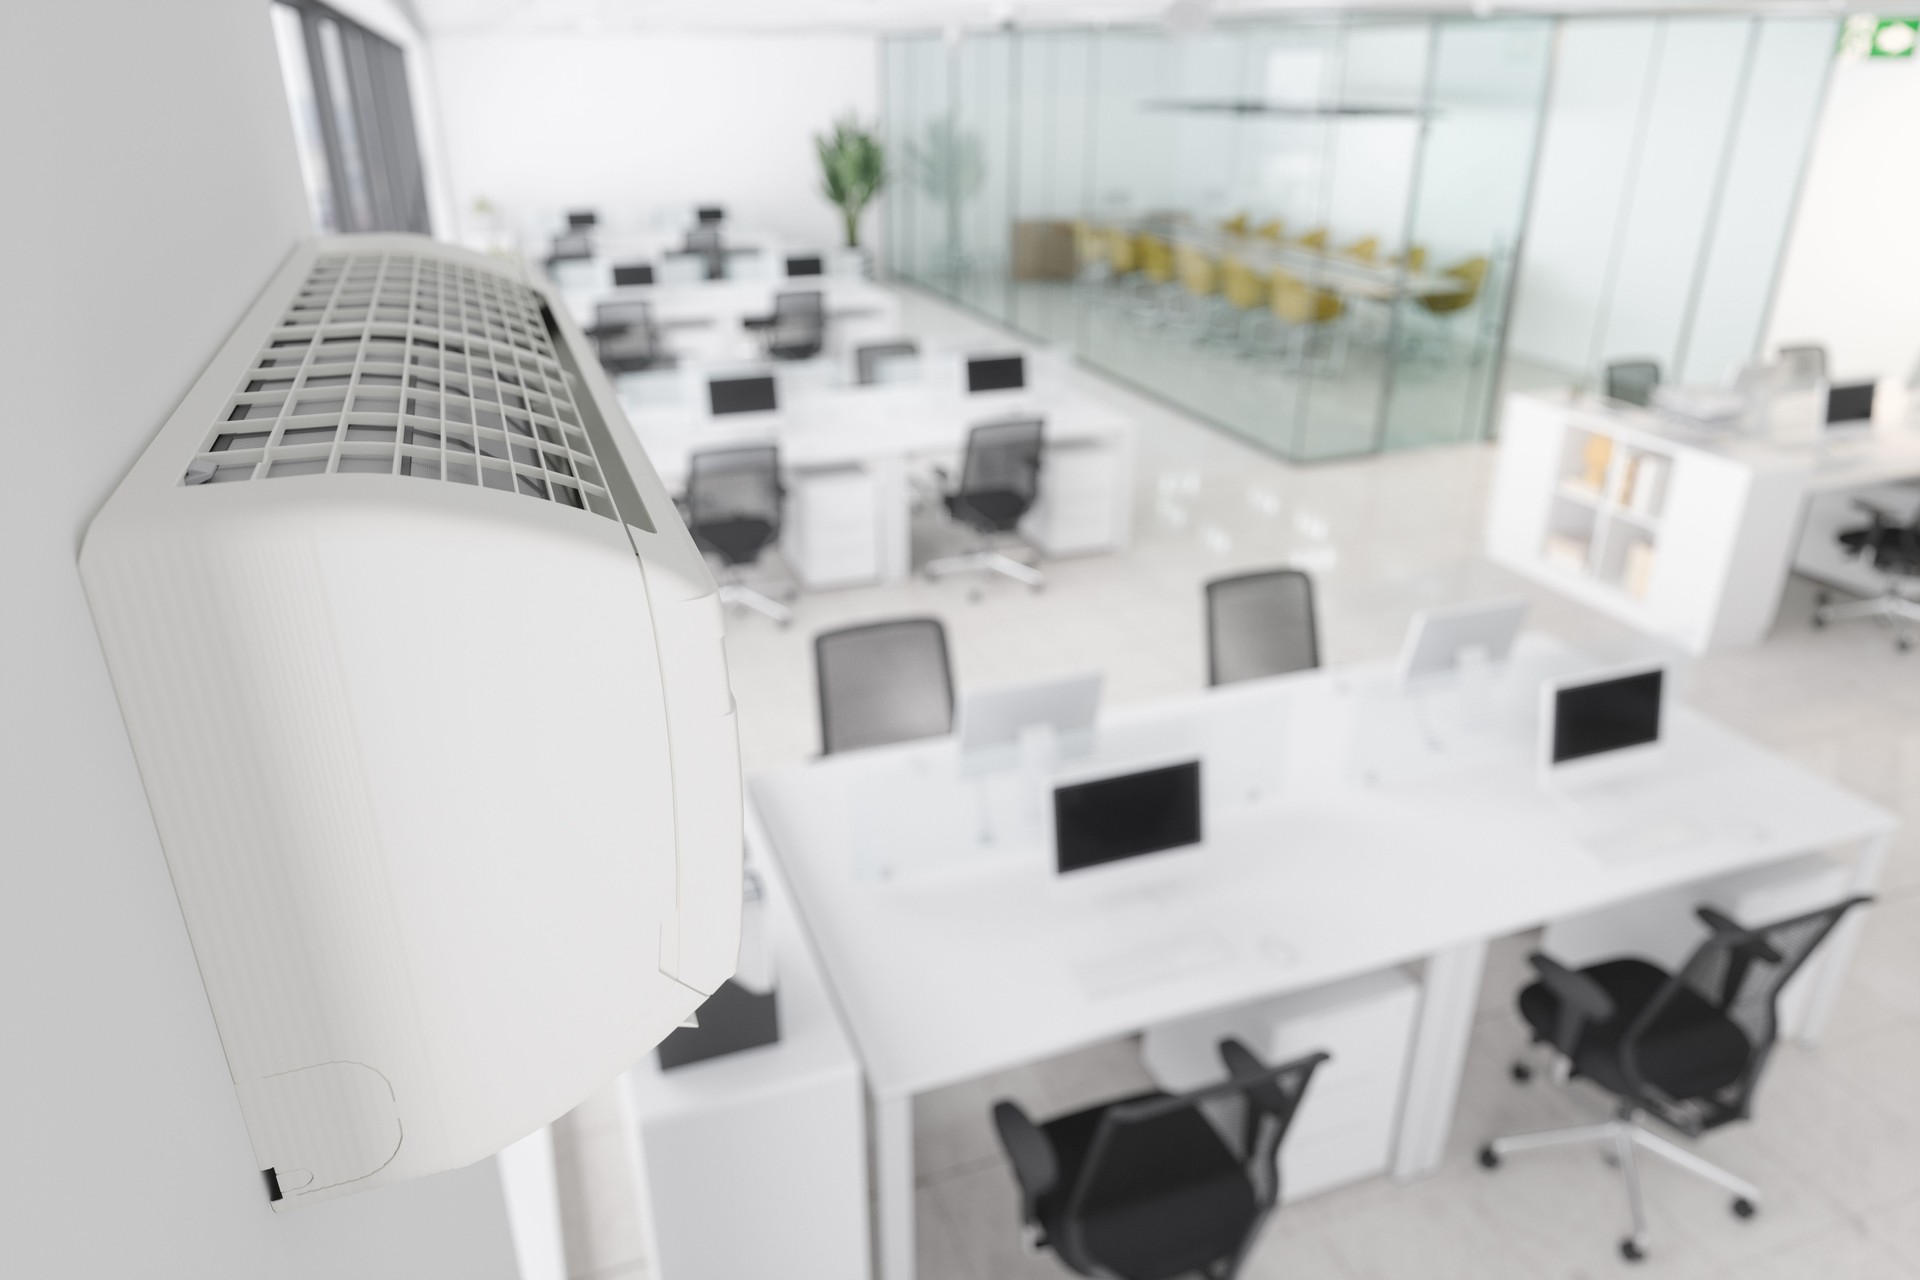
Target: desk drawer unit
{"type": "Point", "coordinates": [831, 536]}
{"type": "Point", "coordinates": [1082, 502]}
{"type": "Point", "coordinates": [1345, 1128]}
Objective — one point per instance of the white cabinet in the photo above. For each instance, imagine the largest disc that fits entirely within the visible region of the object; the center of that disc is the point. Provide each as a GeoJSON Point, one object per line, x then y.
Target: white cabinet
{"type": "Point", "coordinates": [830, 533]}
{"type": "Point", "coordinates": [1084, 505]}
{"type": "Point", "coordinates": [1683, 541]}
{"type": "Point", "coordinates": [1345, 1128]}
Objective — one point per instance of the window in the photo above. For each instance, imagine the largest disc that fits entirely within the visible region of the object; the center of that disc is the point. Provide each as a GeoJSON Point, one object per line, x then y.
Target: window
{"type": "Point", "coordinates": [352, 121]}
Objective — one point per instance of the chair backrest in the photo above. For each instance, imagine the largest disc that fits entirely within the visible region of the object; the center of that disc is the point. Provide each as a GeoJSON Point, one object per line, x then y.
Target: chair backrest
{"type": "Point", "coordinates": [1143, 1150]}
{"type": "Point", "coordinates": [733, 500]}
{"type": "Point", "coordinates": [1803, 363]}
{"type": "Point", "coordinates": [883, 682]}
{"type": "Point", "coordinates": [626, 337]}
{"type": "Point", "coordinates": [1260, 624]}
{"type": "Point", "coordinates": [1314, 239]}
{"type": "Point", "coordinates": [1196, 269]}
{"type": "Point", "coordinates": [705, 241]}
{"type": "Point", "coordinates": [1002, 466]}
{"type": "Point", "coordinates": [1739, 972]}
{"type": "Point", "coordinates": [1365, 249]}
{"type": "Point", "coordinates": [1632, 381]}
{"type": "Point", "coordinates": [883, 361]}
{"type": "Point", "coordinates": [799, 320]}
{"type": "Point", "coordinates": [1295, 301]}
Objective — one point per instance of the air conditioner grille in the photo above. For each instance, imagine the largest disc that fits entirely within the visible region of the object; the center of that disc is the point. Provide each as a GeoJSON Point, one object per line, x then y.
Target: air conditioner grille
{"type": "Point", "coordinates": [402, 364]}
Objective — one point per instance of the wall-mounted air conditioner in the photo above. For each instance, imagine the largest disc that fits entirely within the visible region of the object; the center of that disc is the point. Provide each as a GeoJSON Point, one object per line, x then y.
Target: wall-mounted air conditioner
{"type": "Point", "coordinates": [424, 677]}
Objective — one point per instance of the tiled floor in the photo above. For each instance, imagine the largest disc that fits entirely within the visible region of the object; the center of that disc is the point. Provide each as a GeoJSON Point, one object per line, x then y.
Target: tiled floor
{"type": "Point", "coordinates": [1836, 1141]}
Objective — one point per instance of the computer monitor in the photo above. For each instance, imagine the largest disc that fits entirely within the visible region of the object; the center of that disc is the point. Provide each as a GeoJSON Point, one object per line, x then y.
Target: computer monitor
{"type": "Point", "coordinates": [1126, 816]}
{"type": "Point", "coordinates": [1849, 404]}
{"type": "Point", "coordinates": [996, 373]}
{"type": "Point", "coordinates": [582, 219]}
{"type": "Point", "coordinates": [1439, 639]}
{"type": "Point", "coordinates": [1602, 723]}
{"type": "Point", "coordinates": [992, 720]}
{"type": "Point", "coordinates": [710, 215]}
{"type": "Point", "coordinates": [750, 394]}
{"type": "Point", "coordinates": [806, 265]}
{"type": "Point", "coordinates": [633, 273]}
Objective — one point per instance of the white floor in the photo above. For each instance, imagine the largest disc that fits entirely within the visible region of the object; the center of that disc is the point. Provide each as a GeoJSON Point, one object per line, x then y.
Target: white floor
{"type": "Point", "coordinates": [1836, 1139]}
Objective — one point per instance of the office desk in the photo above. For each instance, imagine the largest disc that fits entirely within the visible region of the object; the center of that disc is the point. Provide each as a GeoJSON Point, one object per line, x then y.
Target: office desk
{"type": "Point", "coordinates": [1732, 517]}
{"type": "Point", "coordinates": [1336, 846]}
{"type": "Point", "coordinates": [706, 321]}
{"type": "Point", "coordinates": [848, 453]}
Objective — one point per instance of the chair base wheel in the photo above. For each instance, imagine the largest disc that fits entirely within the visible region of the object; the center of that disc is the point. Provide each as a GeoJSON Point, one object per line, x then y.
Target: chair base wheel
{"type": "Point", "coordinates": [1744, 1208]}
{"type": "Point", "coordinates": [1489, 1158]}
{"type": "Point", "coordinates": [1631, 1251]}
{"type": "Point", "coordinates": [1520, 1072]}
{"type": "Point", "coordinates": [1903, 644]}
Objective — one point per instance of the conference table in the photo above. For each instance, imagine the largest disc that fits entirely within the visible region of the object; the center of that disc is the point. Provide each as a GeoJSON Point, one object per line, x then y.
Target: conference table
{"type": "Point", "coordinates": [1323, 269]}
{"type": "Point", "coordinates": [1349, 827]}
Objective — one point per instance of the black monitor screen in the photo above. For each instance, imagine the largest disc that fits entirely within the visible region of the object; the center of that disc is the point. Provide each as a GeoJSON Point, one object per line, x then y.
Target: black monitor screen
{"type": "Point", "coordinates": [710, 214]}
{"type": "Point", "coordinates": [806, 266]}
{"type": "Point", "coordinates": [1114, 818]}
{"type": "Point", "coordinates": [1850, 402]}
{"type": "Point", "coordinates": [580, 219]}
{"type": "Point", "coordinates": [996, 373]}
{"type": "Point", "coordinates": [1606, 715]}
{"type": "Point", "coordinates": [641, 273]}
{"type": "Point", "coordinates": [741, 395]}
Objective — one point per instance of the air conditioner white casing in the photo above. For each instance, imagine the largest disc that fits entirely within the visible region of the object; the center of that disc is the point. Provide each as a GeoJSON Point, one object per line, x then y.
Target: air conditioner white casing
{"type": "Point", "coordinates": [427, 692]}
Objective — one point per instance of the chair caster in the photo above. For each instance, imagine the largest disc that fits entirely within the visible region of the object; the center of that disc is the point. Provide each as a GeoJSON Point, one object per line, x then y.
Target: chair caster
{"type": "Point", "coordinates": [1903, 644]}
{"type": "Point", "coordinates": [1630, 1250]}
{"type": "Point", "coordinates": [1489, 1158]}
{"type": "Point", "coordinates": [1744, 1208]}
{"type": "Point", "coordinates": [1520, 1072]}
{"type": "Point", "coordinates": [1819, 619]}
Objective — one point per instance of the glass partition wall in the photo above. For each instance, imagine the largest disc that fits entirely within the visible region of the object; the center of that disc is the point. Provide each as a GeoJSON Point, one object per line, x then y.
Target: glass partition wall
{"type": "Point", "coordinates": [1304, 231]}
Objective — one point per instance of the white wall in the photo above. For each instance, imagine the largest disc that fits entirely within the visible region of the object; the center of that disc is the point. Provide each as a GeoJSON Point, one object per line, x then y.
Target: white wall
{"type": "Point", "coordinates": [1853, 260]}
{"type": "Point", "coordinates": [151, 189]}
{"type": "Point", "coordinates": [629, 123]}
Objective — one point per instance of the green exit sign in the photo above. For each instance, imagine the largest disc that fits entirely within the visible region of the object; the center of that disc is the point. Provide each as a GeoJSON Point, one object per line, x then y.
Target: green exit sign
{"type": "Point", "coordinates": [1866, 36]}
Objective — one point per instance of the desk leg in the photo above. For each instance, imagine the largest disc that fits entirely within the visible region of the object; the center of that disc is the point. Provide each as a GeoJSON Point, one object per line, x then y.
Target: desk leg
{"type": "Point", "coordinates": [1830, 963]}
{"type": "Point", "coordinates": [1448, 996]}
{"type": "Point", "coordinates": [893, 1184]}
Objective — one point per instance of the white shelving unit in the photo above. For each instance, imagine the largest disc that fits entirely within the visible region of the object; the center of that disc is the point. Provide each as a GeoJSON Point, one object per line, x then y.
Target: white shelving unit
{"type": "Point", "coordinates": [1682, 540]}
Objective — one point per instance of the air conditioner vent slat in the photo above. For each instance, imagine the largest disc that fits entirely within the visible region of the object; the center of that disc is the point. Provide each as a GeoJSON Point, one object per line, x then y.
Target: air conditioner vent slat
{"type": "Point", "coordinates": [404, 364]}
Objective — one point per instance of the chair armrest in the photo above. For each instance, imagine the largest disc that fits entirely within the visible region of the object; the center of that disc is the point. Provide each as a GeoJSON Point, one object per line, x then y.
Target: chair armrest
{"type": "Point", "coordinates": [1737, 935]}
{"type": "Point", "coordinates": [1582, 1000]}
{"type": "Point", "coordinates": [1035, 1167]}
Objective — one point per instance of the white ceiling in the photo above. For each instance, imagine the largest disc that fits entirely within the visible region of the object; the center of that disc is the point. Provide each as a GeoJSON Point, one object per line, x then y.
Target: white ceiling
{"type": "Point", "coordinates": [574, 16]}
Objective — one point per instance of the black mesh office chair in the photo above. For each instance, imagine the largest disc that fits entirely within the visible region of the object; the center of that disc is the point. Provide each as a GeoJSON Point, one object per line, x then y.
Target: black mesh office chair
{"type": "Point", "coordinates": [627, 339]}
{"type": "Point", "coordinates": [999, 480]}
{"type": "Point", "coordinates": [732, 508]}
{"type": "Point", "coordinates": [878, 362]}
{"type": "Point", "coordinates": [797, 329]}
{"type": "Point", "coordinates": [1632, 381]}
{"type": "Point", "coordinates": [1894, 550]}
{"type": "Point", "coordinates": [883, 682]}
{"type": "Point", "coordinates": [1147, 1188]}
{"type": "Point", "coordinates": [1260, 624]}
{"type": "Point", "coordinates": [1685, 1048]}
{"type": "Point", "coordinates": [705, 240]}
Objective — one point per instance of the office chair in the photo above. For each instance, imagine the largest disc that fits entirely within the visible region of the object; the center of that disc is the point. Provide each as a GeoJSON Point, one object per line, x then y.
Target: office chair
{"type": "Point", "coordinates": [1632, 381]}
{"type": "Point", "coordinates": [1304, 311]}
{"type": "Point", "coordinates": [1260, 624]}
{"type": "Point", "coordinates": [999, 480]}
{"type": "Point", "coordinates": [1147, 1187]}
{"type": "Point", "coordinates": [1365, 249]}
{"type": "Point", "coordinates": [1685, 1048]}
{"type": "Point", "coordinates": [797, 329]}
{"type": "Point", "coordinates": [1803, 364]}
{"type": "Point", "coordinates": [732, 507]}
{"type": "Point", "coordinates": [882, 683]}
{"type": "Point", "coordinates": [1894, 549]}
{"type": "Point", "coordinates": [1316, 240]}
{"type": "Point", "coordinates": [878, 362]}
{"type": "Point", "coordinates": [705, 241]}
{"type": "Point", "coordinates": [627, 339]}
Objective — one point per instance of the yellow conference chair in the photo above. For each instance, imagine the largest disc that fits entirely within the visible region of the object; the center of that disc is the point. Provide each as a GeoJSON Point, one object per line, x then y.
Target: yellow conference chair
{"type": "Point", "coordinates": [1272, 229]}
{"type": "Point", "coordinates": [1366, 249]}
{"type": "Point", "coordinates": [1236, 225]}
{"type": "Point", "coordinates": [1121, 254]}
{"type": "Point", "coordinates": [1414, 259]}
{"type": "Point", "coordinates": [1245, 291]}
{"type": "Point", "coordinates": [1156, 258]}
{"type": "Point", "coordinates": [1196, 270]}
{"type": "Point", "coordinates": [1315, 239]}
{"type": "Point", "coordinates": [1472, 275]}
{"type": "Point", "coordinates": [1306, 310]}
{"type": "Point", "coordinates": [1089, 250]}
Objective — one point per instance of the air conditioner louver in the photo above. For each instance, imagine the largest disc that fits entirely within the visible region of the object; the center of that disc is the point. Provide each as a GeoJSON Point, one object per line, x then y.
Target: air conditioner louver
{"type": "Point", "coordinates": [445, 773]}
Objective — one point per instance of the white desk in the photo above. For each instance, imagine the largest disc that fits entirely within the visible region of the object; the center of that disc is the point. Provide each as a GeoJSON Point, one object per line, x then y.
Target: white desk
{"type": "Point", "coordinates": [1733, 517]}
{"type": "Point", "coordinates": [757, 1162]}
{"type": "Point", "coordinates": [951, 959]}
{"type": "Point", "coordinates": [859, 446]}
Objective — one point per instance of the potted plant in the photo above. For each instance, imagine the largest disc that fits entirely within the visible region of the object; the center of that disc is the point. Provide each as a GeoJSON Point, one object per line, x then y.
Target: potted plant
{"type": "Point", "coordinates": [853, 168]}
